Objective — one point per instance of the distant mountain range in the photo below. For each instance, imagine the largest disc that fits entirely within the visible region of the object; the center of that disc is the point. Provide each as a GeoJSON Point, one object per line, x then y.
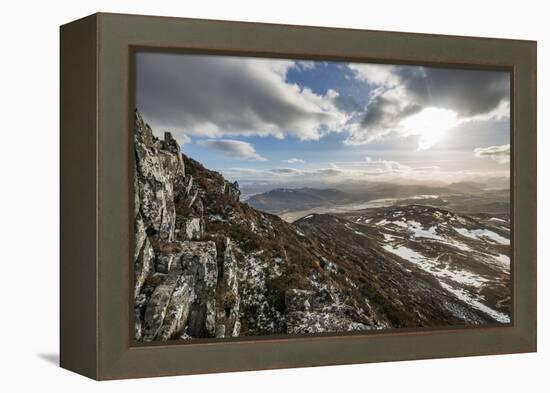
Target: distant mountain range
{"type": "Point", "coordinates": [282, 199]}
{"type": "Point", "coordinates": [461, 197]}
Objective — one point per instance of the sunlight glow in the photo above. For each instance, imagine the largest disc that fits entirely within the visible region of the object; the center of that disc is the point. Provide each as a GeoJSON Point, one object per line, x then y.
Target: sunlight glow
{"type": "Point", "coordinates": [431, 124]}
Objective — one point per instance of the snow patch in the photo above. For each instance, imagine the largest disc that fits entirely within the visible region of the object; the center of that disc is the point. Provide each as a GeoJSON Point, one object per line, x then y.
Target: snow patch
{"type": "Point", "coordinates": [461, 277]}
{"type": "Point", "coordinates": [389, 238]}
{"type": "Point", "coordinates": [460, 246]}
{"type": "Point", "coordinates": [425, 197]}
{"type": "Point", "coordinates": [405, 253]}
{"type": "Point", "coordinates": [478, 234]}
{"type": "Point", "coordinates": [466, 298]}
{"type": "Point", "coordinates": [434, 267]}
{"type": "Point", "coordinates": [419, 231]}
{"type": "Point", "coordinates": [400, 224]}
{"type": "Point", "coordinates": [503, 259]}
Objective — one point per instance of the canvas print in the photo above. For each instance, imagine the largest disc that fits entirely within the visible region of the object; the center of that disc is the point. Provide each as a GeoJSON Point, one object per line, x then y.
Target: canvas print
{"type": "Point", "coordinates": [293, 197]}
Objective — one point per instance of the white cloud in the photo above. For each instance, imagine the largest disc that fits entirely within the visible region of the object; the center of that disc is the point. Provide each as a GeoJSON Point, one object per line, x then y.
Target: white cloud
{"type": "Point", "coordinates": [375, 74]}
{"type": "Point", "coordinates": [285, 171]}
{"type": "Point", "coordinates": [370, 169]}
{"type": "Point", "coordinates": [376, 171]}
{"type": "Point", "coordinates": [294, 161]}
{"type": "Point", "coordinates": [305, 65]}
{"type": "Point", "coordinates": [227, 97]}
{"type": "Point", "coordinates": [221, 96]}
{"type": "Point", "coordinates": [500, 154]}
{"type": "Point", "coordinates": [235, 149]}
{"type": "Point", "coordinates": [183, 139]}
{"type": "Point", "coordinates": [388, 165]}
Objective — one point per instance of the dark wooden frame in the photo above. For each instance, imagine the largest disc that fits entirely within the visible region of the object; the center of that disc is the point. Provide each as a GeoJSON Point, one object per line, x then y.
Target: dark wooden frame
{"type": "Point", "coordinates": [96, 195]}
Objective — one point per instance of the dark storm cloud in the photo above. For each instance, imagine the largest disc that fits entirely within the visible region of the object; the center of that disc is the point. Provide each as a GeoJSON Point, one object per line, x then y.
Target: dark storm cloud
{"type": "Point", "coordinates": [402, 91]}
{"type": "Point", "coordinates": [219, 96]}
{"type": "Point", "coordinates": [468, 92]}
{"type": "Point", "coordinates": [381, 110]}
{"type": "Point", "coordinates": [376, 111]}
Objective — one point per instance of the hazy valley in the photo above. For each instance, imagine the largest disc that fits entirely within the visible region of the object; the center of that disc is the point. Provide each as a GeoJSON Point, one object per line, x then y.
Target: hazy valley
{"type": "Point", "coordinates": [294, 203]}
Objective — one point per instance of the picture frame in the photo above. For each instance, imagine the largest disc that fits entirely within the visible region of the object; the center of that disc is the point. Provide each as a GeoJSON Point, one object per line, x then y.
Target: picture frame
{"type": "Point", "coordinates": [96, 174]}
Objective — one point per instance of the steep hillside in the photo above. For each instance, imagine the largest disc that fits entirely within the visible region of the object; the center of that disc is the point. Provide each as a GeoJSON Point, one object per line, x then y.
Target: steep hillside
{"type": "Point", "coordinates": [425, 248]}
{"type": "Point", "coordinates": [208, 265]}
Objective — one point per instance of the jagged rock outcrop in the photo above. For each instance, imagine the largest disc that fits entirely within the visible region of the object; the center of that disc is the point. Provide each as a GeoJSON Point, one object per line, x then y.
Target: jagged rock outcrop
{"type": "Point", "coordinates": [178, 288]}
{"type": "Point", "coordinates": [231, 190]}
{"type": "Point", "coordinates": [168, 307]}
{"type": "Point", "coordinates": [201, 257]}
{"type": "Point", "coordinates": [227, 318]}
{"type": "Point", "coordinates": [175, 275]}
{"type": "Point", "coordinates": [159, 173]}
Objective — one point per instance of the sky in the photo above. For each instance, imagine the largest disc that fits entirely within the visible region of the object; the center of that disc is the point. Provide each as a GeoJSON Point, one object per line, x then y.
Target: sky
{"type": "Point", "coordinates": [296, 123]}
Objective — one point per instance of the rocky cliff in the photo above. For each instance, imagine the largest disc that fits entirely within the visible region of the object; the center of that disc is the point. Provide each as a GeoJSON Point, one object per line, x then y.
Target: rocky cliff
{"type": "Point", "coordinates": [185, 285]}
{"type": "Point", "coordinates": [207, 265]}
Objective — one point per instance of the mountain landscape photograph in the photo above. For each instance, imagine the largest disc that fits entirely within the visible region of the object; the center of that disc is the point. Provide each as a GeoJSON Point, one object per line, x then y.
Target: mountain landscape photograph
{"type": "Point", "coordinates": [296, 197]}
